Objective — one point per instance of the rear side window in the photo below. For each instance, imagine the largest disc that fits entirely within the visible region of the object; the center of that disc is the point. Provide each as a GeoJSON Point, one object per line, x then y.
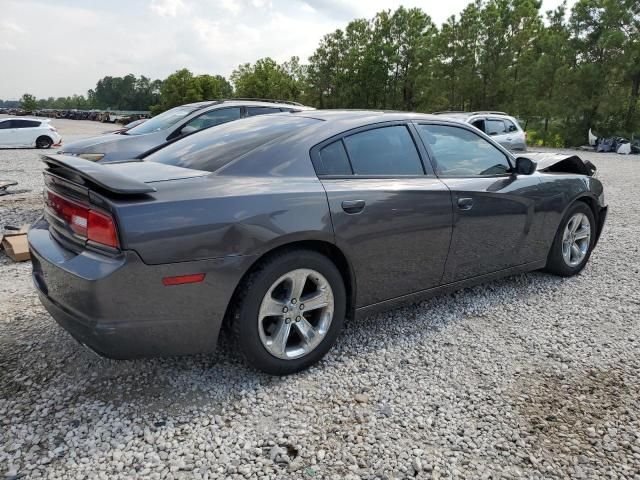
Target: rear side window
{"type": "Point", "coordinates": [334, 160]}
{"type": "Point", "coordinates": [510, 126]}
{"type": "Point", "coordinates": [383, 151]}
{"type": "Point", "coordinates": [5, 124]}
{"type": "Point", "coordinates": [251, 111]}
{"type": "Point", "coordinates": [212, 148]}
{"type": "Point", "coordinates": [495, 127]}
{"type": "Point", "coordinates": [24, 123]}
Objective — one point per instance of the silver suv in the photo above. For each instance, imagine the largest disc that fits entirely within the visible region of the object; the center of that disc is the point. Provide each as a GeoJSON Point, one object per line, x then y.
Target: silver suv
{"type": "Point", "coordinates": [503, 128]}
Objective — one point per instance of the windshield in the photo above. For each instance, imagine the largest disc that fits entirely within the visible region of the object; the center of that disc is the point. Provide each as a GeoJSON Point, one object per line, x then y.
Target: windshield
{"type": "Point", "coordinates": [162, 121]}
{"type": "Point", "coordinates": [213, 148]}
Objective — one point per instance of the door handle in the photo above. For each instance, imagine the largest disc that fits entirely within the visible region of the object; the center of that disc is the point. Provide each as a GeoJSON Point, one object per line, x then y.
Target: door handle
{"type": "Point", "coordinates": [465, 203]}
{"type": "Point", "coordinates": [353, 206]}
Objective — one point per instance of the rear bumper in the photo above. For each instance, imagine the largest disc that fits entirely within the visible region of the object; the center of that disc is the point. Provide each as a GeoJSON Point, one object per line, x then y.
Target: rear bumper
{"type": "Point", "coordinates": [119, 307]}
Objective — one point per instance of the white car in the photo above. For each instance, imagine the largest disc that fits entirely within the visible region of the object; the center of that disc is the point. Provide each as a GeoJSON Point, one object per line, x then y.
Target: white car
{"type": "Point", "coordinates": [503, 128]}
{"type": "Point", "coordinates": [28, 132]}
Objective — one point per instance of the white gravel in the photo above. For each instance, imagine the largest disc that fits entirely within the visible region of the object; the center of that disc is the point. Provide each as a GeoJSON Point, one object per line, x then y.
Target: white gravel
{"type": "Point", "coordinates": [528, 377]}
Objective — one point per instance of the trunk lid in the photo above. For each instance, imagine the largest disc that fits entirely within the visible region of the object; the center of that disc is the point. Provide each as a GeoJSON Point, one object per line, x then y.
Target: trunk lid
{"type": "Point", "coordinates": [79, 192]}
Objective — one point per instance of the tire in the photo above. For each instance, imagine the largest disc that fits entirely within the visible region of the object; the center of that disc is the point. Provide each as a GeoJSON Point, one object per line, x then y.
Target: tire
{"type": "Point", "coordinates": [269, 289]}
{"type": "Point", "coordinates": [557, 261]}
{"type": "Point", "coordinates": [43, 142]}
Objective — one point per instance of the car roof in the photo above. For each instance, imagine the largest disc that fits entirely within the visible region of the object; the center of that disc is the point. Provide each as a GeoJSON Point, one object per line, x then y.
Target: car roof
{"type": "Point", "coordinates": [366, 115]}
{"type": "Point", "coordinates": [257, 102]}
{"type": "Point", "coordinates": [466, 115]}
{"type": "Point", "coordinates": [26, 118]}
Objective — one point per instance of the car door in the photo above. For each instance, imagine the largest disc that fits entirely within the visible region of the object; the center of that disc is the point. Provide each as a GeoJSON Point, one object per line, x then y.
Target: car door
{"type": "Point", "coordinates": [514, 136]}
{"type": "Point", "coordinates": [26, 132]}
{"type": "Point", "coordinates": [498, 215]}
{"type": "Point", "coordinates": [496, 129]}
{"type": "Point", "coordinates": [390, 216]}
{"type": "Point", "coordinates": [7, 134]}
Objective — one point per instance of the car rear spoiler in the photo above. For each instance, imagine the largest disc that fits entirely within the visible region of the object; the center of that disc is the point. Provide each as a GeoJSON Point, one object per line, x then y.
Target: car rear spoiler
{"type": "Point", "coordinates": [97, 174]}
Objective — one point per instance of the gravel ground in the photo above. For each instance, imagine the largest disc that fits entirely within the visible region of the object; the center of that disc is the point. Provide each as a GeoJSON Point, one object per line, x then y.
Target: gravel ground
{"type": "Point", "coordinates": [528, 377]}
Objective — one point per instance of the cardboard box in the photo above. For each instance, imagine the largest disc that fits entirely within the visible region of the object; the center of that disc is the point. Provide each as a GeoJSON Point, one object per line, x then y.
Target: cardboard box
{"type": "Point", "coordinates": [16, 245]}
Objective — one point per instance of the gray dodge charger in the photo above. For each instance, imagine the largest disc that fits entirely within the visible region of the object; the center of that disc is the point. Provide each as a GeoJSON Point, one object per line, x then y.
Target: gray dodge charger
{"type": "Point", "coordinates": [283, 225]}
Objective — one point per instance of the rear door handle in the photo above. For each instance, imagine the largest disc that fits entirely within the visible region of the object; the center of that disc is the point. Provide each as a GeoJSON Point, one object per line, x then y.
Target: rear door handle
{"type": "Point", "coordinates": [353, 206]}
{"type": "Point", "coordinates": [465, 203]}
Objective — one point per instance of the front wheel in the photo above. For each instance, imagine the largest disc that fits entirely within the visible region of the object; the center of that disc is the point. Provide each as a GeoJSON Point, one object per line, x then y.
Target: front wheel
{"type": "Point", "coordinates": [289, 312]}
{"type": "Point", "coordinates": [573, 242]}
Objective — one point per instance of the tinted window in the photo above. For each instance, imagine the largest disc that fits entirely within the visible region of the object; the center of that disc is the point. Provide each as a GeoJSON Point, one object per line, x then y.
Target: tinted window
{"type": "Point", "coordinates": [459, 153]}
{"type": "Point", "coordinates": [251, 111]}
{"type": "Point", "coordinates": [24, 124]}
{"type": "Point", "coordinates": [334, 160]}
{"type": "Point", "coordinates": [510, 126]}
{"type": "Point", "coordinates": [5, 124]}
{"type": "Point", "coordinates": [162, 121]}
{"type": "Point", "coordinates": [495, 127]}
{"type": "Point", "coordinates": [213, 148]}
{"type": "Point", "coordinates": [383, 151]}
{"type": "Point", "coordinates": [211, 118]}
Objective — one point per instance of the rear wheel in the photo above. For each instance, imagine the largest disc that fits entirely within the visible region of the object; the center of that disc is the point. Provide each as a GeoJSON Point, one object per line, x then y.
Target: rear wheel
{"type": "Point", "coordinates": [289, 312]}
{"type": "Point", "coordinates": [573, 242]}
{"type": "Point", "coordinates": [44, 142]}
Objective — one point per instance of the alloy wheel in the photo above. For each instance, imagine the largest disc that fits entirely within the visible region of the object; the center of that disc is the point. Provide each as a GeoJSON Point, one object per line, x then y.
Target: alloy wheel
{"type": "Point", "coordinates": [576, 239]}
{"type": "Point", "coordinates": [295, 314]}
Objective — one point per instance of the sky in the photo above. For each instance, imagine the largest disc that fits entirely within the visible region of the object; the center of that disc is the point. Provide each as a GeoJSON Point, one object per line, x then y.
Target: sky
{"type": "Point", "coordinates": [61, 47]}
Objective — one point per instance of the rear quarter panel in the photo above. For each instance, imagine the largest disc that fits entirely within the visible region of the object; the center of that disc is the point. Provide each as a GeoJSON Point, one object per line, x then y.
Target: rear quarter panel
{"type": "Point", "coordinates": [216, 216]}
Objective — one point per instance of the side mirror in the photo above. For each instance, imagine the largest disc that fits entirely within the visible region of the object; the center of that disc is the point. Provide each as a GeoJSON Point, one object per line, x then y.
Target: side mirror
{"type": "Point", "coordinates": [525, 166]}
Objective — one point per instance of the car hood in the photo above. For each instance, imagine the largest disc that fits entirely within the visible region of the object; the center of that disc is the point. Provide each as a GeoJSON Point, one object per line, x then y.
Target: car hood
{"type": "Point", "coordinates": [561, 163]}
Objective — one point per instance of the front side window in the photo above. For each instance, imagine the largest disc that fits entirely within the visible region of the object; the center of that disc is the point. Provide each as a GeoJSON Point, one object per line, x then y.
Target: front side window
{"type": "Point", "coordinates": [6, 124]}
{"type": "Point", "coordinates": [384, 151]}
{"type": "Point", "coordinates": [459, 152]}
{"type": "Point", "coordinates": [162, 121]}
{"type": "Point", "coordinates": [210, 119]}
{"type": "Point", "coordinates": [495, 127]}
{"type": "Point", "coordinates": [251, 111]}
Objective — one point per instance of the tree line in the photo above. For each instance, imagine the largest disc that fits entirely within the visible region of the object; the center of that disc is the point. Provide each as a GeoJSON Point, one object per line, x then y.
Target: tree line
{"type": "Point", "coordinates": [561, 72]}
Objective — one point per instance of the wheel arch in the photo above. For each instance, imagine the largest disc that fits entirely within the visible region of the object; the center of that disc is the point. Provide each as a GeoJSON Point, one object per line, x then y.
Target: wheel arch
{"type": "Point", "coordinates": [328, 249]}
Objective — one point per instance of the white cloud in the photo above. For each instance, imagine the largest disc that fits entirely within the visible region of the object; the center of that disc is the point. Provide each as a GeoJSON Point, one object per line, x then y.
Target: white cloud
{"type": "Point", "coordinates": [6, 45]}
{"type": "Point", "coordinates": [11, 27]}
{"type": "Point", "coordinates": [157, 37]}
{"type": "Point", "coordinates": [168, 8]}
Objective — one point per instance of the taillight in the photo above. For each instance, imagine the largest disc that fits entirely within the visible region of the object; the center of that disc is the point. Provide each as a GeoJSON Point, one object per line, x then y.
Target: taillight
{"type": "Point", "coordinates": [96, 226]}
{"type": "Point", "coordinates": [101, 229]}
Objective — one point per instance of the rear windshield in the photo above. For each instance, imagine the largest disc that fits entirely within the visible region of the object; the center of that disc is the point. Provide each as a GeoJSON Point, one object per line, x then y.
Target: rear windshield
{"type": "Point", "coordinates": [162, 121]}
{"type": "Point", "coordinates": [213, 148]}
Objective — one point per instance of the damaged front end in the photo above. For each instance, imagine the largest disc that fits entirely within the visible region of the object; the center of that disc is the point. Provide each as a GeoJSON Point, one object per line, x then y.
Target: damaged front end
{"type": "Point", "coordinates": [562, 163]}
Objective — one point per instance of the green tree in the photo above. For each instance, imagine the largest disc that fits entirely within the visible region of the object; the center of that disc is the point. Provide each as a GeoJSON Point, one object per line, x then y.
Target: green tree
{"type": "Point", "coordinates": [28, 102]}
{"type": "Point", "coordinates": [267, 79]}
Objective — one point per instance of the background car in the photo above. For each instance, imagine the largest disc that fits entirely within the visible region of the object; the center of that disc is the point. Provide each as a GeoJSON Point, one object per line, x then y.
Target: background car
{"type": "Point", "coordinates": [283, 225]}
{"type": "Point", "coordinates": [503, 128]}
{"type": "Point", "coordinates": [28, 132]}
{"type": "Point", "coordinates": [172, 125]}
